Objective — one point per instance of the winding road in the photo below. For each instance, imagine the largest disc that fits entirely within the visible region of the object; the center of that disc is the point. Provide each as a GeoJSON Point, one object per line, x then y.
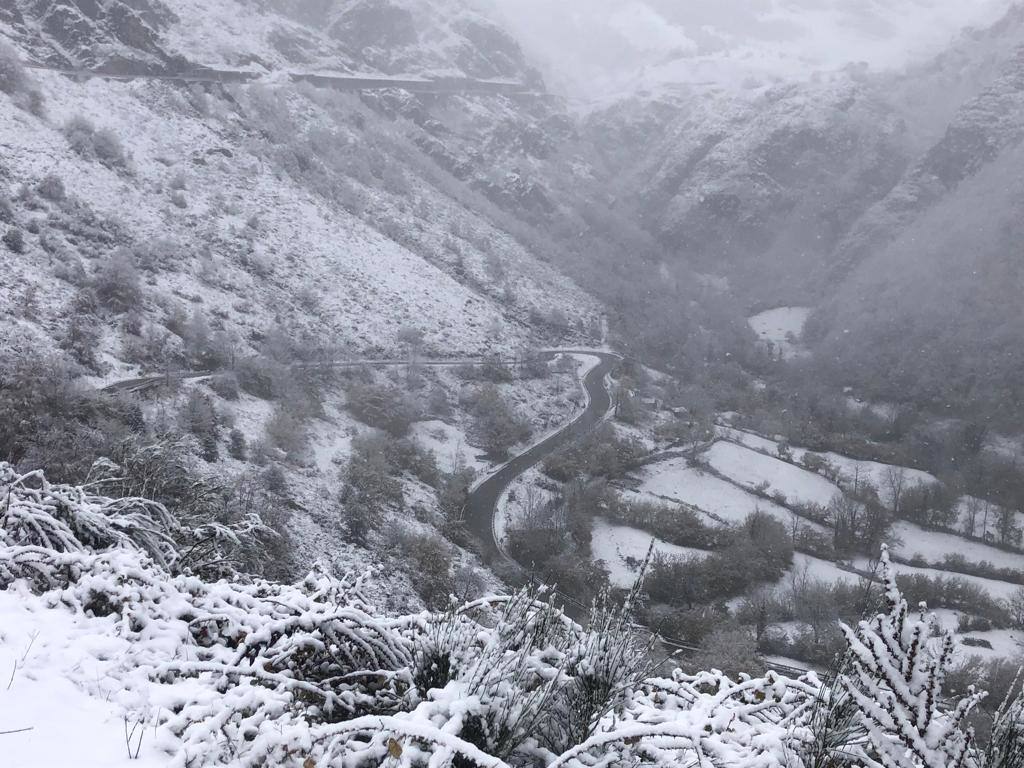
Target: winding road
{"type": "Point", "coordinates": [482, 506]}
{"type": "Point", "coordinates": [483, 499]}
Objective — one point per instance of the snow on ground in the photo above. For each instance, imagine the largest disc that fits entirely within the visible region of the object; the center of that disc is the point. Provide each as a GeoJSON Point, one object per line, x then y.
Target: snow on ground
{"type": "Point", "coordinates": [985, 516]}
{"type": "Point", "coordinates": [816, 569]}
{"type": "Point", "coordinates": [1006, 643]}
{"type": "Point", "coordinates": [885, 477]}
{"type": "Point", "coordinates": [1000, 590]}
{"type": "Point", "coordinates": [623, 549]}
{"type": "Point", "coordinates": [718, 498]}
{"type": "Point", "coordinates": [750, 468]}
{"type": "Point", "coordinates": [524, 493]}
{"type": "Point", "coordinates": [934, 545]}
{"type": "Point", "coordinates": [450, 445]}
{"type": "Point", "coordinates": [251, 241]}
{"type": "Point", "coordinates": [781, 327]}
{"type": "Point", "coordinates": [750, 440]}
{"type": "Point", "coordinates": [44, 652]}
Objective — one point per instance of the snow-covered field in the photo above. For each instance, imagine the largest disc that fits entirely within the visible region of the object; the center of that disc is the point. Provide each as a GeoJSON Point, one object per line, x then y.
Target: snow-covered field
{"type": "Point", "coordinates": [887, 478]}
{"type": "Point", "coordinates": [49, 655]}
{"type": "Point", "coordinates": [934, 545]}
{"type": "Point", "coordinates": [720, 499]}
{"type": "Point", "coordinates": [999, 590]}
{"type": "Point", "coordinates": [622, 549]}
{"type": "Point", "coordinates": [782, 328]}
{"type": "Point", "coordinates": [750, 440]}
{"type": "Point", "coordinates": [752, 469]}
{"type": "Point", "coordinates": [816, 569]}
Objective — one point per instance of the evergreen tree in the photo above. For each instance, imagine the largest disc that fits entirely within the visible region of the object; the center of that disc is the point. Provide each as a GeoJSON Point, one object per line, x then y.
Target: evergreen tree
{"type": "Point", "coordinates": [895, 681]}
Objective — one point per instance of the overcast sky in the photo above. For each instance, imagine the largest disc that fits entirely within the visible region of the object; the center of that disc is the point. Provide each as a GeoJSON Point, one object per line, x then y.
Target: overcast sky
{"type": "Point", "coordinates": [592, 46]}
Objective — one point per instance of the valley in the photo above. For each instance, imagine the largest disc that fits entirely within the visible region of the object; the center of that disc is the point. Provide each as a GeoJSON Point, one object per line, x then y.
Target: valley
{"type": "Point", "coordinates": [365, 400]}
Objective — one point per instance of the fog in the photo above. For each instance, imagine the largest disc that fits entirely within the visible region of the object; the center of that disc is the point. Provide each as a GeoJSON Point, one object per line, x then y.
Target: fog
{"type": "Point", "coordinates": [593, 47]}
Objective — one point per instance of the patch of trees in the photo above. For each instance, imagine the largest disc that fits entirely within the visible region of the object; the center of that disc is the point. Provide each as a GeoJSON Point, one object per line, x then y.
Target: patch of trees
{"type": "Point", "coordinates": [497, 425]}
{"type": "Point", "coordinates": [384, 406]}
{"type": "Point", "coordinates": [49, 419]}
{"type": "Point", "coordinates": [760, 552]}
{"type": "Point", "coordinates": [372, 479]}
{"type": "Point", "coordinates": [672, 523]}
{"type": "Point", "coordinates": [602, 453]}
{"type": "Point", "coordinates": [551, 537]}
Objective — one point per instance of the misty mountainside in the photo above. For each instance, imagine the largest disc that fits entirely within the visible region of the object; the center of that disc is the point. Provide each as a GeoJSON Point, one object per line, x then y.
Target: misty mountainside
{"type": "Point", "coordinates": [384, 36]}
{"type": "Point", "coordinates": [230, 201]}
{"type": "Point", "coordinates": [889, 202]}
{"type": "Point", "coordinates": [496, 198]}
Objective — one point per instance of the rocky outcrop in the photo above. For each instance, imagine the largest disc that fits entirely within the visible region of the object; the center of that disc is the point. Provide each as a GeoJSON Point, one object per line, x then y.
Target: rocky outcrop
{"type": "Point", "coordinates": [119, 35]}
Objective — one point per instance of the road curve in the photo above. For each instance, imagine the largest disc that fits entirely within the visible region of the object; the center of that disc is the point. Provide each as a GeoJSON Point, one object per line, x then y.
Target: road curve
{"type": "Point", "coordinates": [484, 497]}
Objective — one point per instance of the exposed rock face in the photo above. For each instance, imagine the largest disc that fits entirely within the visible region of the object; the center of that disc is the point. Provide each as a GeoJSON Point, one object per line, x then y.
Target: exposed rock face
{"type": "Point", "coordinates": [759, 188]}
{"type": "Point", "coordinates": [982, 129]}
{"type": "Point", "coordinates": [369, 24]}
{"type": "Point", "coordinates": [119, 34]}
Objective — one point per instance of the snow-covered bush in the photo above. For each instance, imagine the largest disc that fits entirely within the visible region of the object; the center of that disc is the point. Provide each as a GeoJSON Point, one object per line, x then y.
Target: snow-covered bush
{"type": "Point", "coordinates": [266, 674]}
{"type": "Point", "coordinates": [102, 145]}
{"type": "Point", "coordinates": [896, 682]}
{"type": "Point", "coordinates": [117, 282]}
{"type": "Point", "coordinates": [14, 239]}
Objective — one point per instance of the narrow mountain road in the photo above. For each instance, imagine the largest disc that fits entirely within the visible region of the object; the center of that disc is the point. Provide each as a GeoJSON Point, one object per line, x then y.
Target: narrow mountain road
{"type": "Point", "coordinates": [338, 81]}
{"type": "Point", "coordinates": [144, 383]}
{"type": "Point", "coordinates": [482, 507]}
{"type": "Point", "coordinates": [483, 500]}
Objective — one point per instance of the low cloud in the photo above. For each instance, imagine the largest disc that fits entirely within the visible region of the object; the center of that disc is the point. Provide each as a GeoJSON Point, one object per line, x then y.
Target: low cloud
{"type": "Point", "coordinates": [591, 47]}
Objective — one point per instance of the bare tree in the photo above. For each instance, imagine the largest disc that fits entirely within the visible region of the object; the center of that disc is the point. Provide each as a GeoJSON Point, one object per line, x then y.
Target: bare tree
{"type": "Point", "coordinates": [895, 480]}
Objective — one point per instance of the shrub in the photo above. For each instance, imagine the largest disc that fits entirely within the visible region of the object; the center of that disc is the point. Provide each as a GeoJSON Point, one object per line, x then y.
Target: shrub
{"type": "Point", "coordinates": [52, 188]}
{"type": "Point", "coordinates": [287, 433]}
{"type": "Point", "coordinates": [199, 417]}
{"type": "Point", "coordinates": [108, 149]}
{"type": "Point", "coordinates": [274, 479]}
{"type": "Point", "coordinates": [15, 240]}
{"type": "Point", "coordinates": [81, 339]}
{"type": "Point", "coordinates": [370, 475]}
{"type": "Point", "coordinates": [976, 642]}
{"type": "Point", "coordinates": [453, 493]}
{"type": "Point", "coordinates": [102, 145]}
{"type": "Point", "coordinates": [262, 377]}
{"type": "Point", "coordinates": [48, 420]}
{"type": "Point", "coordinates": [496, 425]}
{"type": "Point", "coordinates": [6, 210]}
{"type": "Point", "coordinates": [79, 132]}
{"type": "Point", "coordinates": [430, 564]}
{"type": "Point", "coordinates": [383, 406]}
{"type": "Point", "coordinates": [225, 385]}
{"type": "Point", "coordinates": [237, 447]}
{"type": "Point", "coordinates": [117, 283]}
{"type": "Point", "coordinates": [12, 74]}
{"type": "Point", "coordinates": [730, 649]}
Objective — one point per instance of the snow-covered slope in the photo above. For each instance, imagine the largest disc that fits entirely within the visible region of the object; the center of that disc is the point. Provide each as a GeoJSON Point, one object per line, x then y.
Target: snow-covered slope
{"type": "Point", "coordinates": [268, 206]}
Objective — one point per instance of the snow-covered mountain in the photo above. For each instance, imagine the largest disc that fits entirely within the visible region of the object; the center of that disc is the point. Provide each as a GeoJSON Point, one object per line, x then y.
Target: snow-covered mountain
{"type": "Point", "coordinates": [248, 193]}
{"type": "Point", "coordinates": [368, 36]}
{"type": "Point", "coordinates": [889, 200]}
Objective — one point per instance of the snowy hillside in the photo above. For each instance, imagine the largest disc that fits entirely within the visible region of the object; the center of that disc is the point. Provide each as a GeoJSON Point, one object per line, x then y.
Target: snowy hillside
{"type": "Point", "coordinates": [122, 655]}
